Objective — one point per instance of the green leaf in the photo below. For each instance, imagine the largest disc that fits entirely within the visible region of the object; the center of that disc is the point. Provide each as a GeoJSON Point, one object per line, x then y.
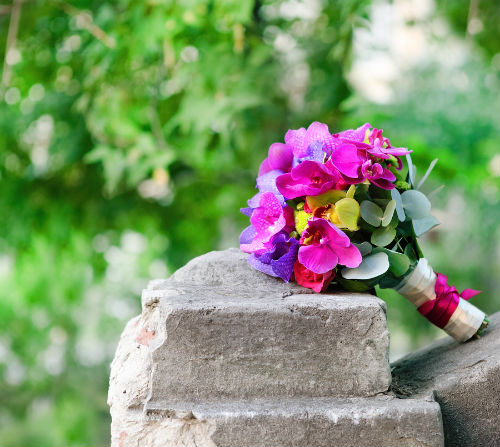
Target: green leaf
{"type": "Point", "coordinates": [429, 170]}
{"type": "Point", "coordinates": [416, 204]}
{"type": "Point", "coordinates": [354, 286]}
{"type": "Point", "coordinates": [399, 204]}
{"type": "Point", "coordinates": [371, 266]}
{"type": "Point", "coordinates": [410, 252]}
{"type": "Point", "coordinates": [388, 213]}
{"type": "Point", "coordinates": [383, 236]}
{"type": "Point", "coordinates": [365, 248]}
{"type": "Point", "coordinates": [423, 225]}
{"type": "Point", "coordinates": [399, 263]}
{"type": "Point", "coordinates": [412, 170]}
{"type": "Point", "coordinates": [371, 213]}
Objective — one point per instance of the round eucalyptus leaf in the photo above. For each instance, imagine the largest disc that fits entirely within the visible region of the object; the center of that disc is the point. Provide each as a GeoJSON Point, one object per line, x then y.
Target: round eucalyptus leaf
{"type": "Point", "coordinates": [371, 213]}
{"type": "Point", "coordinates": [399, 263]}
{"type": "Point", "coordinates": [421, 226]}
{"type": "Point", "coordinates": [383, 236]}
{"type": "Point", "coordinates": [416, 204]}
{"type": "Point", "coordinates": [388, 213]}
{"type": "Point", "coordinates": [371, 266]}
{"type": "Point", "coordinates": [399, 204]}
{"type": "Point", "coordinates": [365, 248]}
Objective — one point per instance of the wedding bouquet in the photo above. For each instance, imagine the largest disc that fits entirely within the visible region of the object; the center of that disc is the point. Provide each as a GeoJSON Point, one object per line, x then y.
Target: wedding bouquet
{"type": "Point", "coordinates": [341, 208]}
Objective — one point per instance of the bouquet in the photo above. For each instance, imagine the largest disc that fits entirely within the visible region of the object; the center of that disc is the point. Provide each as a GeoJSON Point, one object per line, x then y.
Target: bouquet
{"type": "Point", "coordinates": [340, 208]}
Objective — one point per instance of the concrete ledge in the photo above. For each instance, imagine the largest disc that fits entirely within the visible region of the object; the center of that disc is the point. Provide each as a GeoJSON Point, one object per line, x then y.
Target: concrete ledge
{"type": "Point", "coordinates": [465, 379]}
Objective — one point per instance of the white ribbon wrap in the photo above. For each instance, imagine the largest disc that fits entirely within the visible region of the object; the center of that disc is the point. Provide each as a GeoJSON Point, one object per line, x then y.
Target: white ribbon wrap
{"type": "Point", "coordinates": [418, 288]}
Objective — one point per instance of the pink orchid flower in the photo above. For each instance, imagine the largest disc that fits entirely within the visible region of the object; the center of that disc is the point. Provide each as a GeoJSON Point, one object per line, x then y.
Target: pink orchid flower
{"type": "Point", "coordinates": [279, 157]}
{"type": "Point", "coordinates": [323, 246]}
{"type": "Point", "coordinates": [379, 176]}
{"type": "Point", "coordinates": [346, 159]}
{"type": "Point", "coordinates": [381, 146]}
{"type": "Point", "coordinates": [307, 179]}
{"type": "Point", "coordinates": [267, 220]}
{"type": "Point", "coordinates": [301, 139]}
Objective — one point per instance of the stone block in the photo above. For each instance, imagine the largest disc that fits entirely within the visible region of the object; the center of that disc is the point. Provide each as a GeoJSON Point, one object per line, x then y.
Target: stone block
{"type": "Point", "coordinates": [319, 422]}
{"type": "Point", "coordinates": [230, 338]}
{"type": "Point", "coordinates": [465, 380]}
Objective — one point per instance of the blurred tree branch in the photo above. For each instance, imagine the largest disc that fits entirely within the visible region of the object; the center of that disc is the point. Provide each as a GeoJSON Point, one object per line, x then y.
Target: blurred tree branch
{"type": "Point", "coordinates": [15, 15]}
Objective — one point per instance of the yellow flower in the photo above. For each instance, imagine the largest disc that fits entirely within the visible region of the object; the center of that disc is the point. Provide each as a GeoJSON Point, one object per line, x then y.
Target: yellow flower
{"type": "Point", "coordinates": [301, 218]}
{"type": "Point", "coordinates": [338, 207]}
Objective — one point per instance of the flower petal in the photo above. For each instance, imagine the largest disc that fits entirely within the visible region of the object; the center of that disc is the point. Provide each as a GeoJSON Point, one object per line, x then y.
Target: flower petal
{"type": "Point", "coordinates": [318, 258]}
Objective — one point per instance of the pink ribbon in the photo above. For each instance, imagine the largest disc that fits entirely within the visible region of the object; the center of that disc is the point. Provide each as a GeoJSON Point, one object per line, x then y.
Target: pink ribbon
{"type": "Point", "coordinates": [439, 310]}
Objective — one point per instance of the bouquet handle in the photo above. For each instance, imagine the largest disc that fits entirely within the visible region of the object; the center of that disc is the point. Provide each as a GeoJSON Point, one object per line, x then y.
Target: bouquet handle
{"type": "Point", "coordinates": [442, 304]}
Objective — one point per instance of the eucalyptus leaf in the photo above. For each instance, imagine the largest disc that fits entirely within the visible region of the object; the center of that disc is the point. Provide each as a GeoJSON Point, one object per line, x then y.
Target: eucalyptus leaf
{"type": "Point", "coordinates": [353, 285]}
{"type": "Point", "coordinates": [371, 213]}
{"type": "Point", "coordinates": [371, 266]}
{"type": "Point", "coordinates": [399, 263]}
{"type": "Point", "coordinates": [423, 225]}
{"type": "Point", "coordinates": [412, 170]}
{"type": "Point", "coordinates": [410, 252]}
{"type": "Point", "coordinates": [388, 213]}
{"type": "Point", "coordinates": [416, 204]}
{"type": "Point", "coordinates": [365, 248]}
{"type": "Point", "coordinates": [396, 196]}
{"type": "Point", "coordinates": [383, 236]}
{"type": "Point", "coordinates": [429, 170]}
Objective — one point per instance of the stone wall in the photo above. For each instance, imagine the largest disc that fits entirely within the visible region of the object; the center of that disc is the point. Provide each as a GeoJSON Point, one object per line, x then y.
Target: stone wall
{"type": "Point", "coordinates": [223, 355]}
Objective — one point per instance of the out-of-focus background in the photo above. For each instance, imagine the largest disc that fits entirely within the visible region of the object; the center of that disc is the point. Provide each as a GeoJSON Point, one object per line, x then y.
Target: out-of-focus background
{"type": "Point", "coordinates": [130, 136]}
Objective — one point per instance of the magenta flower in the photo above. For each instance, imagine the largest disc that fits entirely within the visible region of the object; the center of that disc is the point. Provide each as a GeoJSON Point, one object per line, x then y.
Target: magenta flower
{"type": "Point", "coordinates": [381, 146]}
{"type": "Point", "coordinates": [279, 157]}
{"type": "Point", "coordinates": [307, 179]}
{"type": "Point", "coordinates": [354, 135]}
{"type": "Point", "coordinates": [323, 246]}
{"type": "Point", "coordinates": [346, 159]}
{"type": "Point", "coordinates": [379, 176]}
{"type": "Point", "coordinates": [267, 220]}
{"type": "Point", "coordinates": [300, 140]}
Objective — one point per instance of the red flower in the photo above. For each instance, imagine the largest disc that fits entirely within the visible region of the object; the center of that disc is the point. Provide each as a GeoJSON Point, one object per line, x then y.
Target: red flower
{"type": "Point", "coordinates": [315, 281]}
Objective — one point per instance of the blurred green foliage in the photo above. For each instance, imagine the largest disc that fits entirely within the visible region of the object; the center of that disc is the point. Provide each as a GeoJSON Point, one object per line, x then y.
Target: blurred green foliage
{"type": "Point", "coordinates": [130, 135]}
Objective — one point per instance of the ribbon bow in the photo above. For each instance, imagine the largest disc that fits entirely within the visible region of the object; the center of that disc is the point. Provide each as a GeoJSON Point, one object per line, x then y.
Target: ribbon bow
{"type": "Point", "coordinates": [439, 310]}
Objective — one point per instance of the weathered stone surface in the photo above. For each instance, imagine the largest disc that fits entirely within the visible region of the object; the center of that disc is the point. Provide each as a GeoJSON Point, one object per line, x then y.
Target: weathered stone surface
{"type": "Point", "coordinates": [465, 379]}
{"type": "Point", "coordinates": [382, 421]}
{"type": "Point", "coordinates": [223, 355]}
{"type": "Point", "coordinates": [242, 340]}
{"type": "Point", "coordinates": [308, 422]}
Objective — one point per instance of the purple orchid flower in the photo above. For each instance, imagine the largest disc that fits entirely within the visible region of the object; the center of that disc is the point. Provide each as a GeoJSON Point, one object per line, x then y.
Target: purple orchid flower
{"type": "Point", "coordinates": [323, 246]}
{"type": "Point", "coordinates": [300, 139]}
{"type": "Point", "coordinates": [279, 260]}
{"type": "Point", "coordinates": [379, 176]}
{"type": "Point", "coordinates": [268, 219]}
{"type": "Point", "coordinates": [314, 152]}
{"type": "Point", "coordinates": [267, 183]}
{"type": "Point", "coordinates": [307, 179]}
{"type": "Point", "coordinates": [247, 235]}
